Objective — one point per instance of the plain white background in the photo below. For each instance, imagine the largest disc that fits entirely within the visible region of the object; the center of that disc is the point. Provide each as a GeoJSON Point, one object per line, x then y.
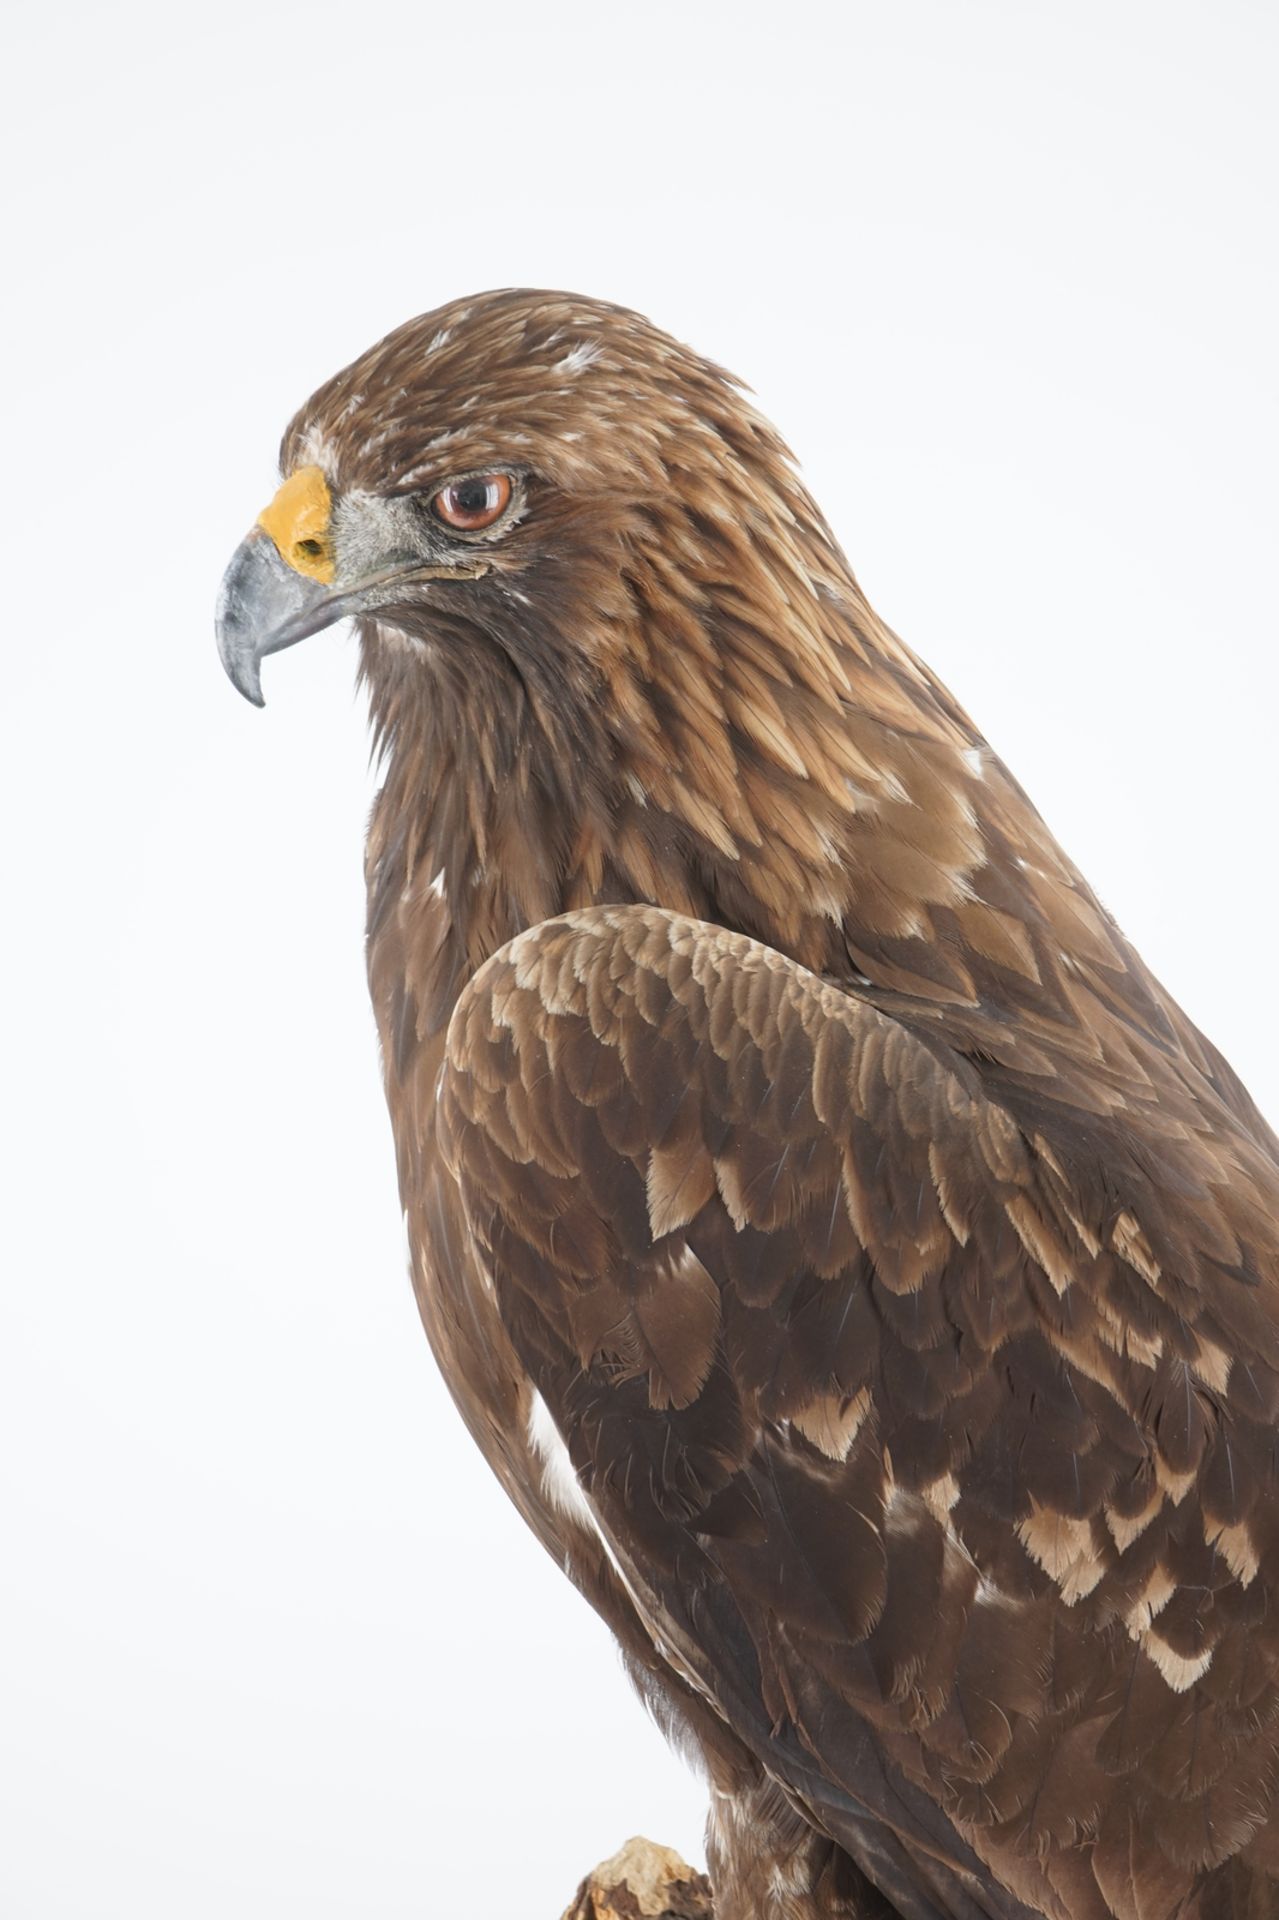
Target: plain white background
{"type": "Point", "coordinates": [270, 1642]}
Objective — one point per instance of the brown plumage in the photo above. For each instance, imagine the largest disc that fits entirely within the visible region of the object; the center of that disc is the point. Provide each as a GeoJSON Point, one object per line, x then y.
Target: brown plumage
{"type": "Point", "coordinates": [791, 1142]}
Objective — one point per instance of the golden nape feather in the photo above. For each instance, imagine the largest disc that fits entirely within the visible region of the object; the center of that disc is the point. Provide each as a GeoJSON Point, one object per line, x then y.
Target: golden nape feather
{"type": "Point", "coordinates": [859, 1272]}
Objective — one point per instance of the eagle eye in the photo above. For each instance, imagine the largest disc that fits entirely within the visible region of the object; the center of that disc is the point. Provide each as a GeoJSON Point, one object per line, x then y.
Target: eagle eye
{"type": "Point", "coordinates": [472, 504]}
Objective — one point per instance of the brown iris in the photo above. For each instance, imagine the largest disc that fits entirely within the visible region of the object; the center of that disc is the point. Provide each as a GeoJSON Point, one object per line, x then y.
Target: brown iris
{"type": "Point", "coordinates": [475, 503]}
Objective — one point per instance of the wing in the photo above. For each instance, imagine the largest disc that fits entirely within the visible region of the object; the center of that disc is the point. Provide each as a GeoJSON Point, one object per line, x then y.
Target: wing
{"type": "Point", "coordinates": [939, 1455]}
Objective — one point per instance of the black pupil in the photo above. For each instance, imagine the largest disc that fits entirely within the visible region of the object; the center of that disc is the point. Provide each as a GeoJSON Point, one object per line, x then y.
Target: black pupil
{"type": "Point", "coordinates": [472, 496]}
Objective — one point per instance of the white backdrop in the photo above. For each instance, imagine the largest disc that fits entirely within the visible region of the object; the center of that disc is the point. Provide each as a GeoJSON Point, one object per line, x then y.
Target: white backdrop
{"type": "Point", "coordinates": [270, 1642]}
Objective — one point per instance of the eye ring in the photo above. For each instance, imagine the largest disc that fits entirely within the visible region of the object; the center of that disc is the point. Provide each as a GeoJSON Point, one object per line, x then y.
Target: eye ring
{"type": "Point", "coordinates": [473, 503]}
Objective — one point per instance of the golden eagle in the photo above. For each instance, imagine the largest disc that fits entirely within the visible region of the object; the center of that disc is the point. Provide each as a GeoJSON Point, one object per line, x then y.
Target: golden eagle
{"type": "Point", "coordinates": [861, 1275]}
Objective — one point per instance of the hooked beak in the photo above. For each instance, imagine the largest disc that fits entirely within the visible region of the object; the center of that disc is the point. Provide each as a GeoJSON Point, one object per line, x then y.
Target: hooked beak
{"type": "Point", "coordinates": [263, 607]}
{"type": "Point", "coordinates": [279, 587]}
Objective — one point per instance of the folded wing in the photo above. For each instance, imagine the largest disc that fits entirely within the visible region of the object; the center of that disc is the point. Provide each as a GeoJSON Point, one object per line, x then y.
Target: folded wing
{"type": "Point", "coordinates": [935, 1454]}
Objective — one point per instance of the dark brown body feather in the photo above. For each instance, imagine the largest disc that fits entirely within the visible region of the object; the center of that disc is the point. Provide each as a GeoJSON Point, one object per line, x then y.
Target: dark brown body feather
{"type": "Point", "coordinates": [783, 1125]}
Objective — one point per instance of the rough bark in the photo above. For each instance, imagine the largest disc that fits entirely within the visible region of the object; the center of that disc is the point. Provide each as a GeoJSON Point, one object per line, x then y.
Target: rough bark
{"type": "Point", "coordinates": [642, 1881]}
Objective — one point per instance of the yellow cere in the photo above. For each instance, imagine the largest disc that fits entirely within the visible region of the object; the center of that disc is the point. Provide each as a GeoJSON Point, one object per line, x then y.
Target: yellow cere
{"type": "Point", "coordinates": [298, 522]}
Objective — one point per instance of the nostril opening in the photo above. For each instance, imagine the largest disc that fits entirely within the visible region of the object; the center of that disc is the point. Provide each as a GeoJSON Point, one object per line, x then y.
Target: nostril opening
{"type": "Point", "coordinates": [310, 549]}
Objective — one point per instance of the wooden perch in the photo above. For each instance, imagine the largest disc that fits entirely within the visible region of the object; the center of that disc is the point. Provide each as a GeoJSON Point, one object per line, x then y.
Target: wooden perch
{"type": "Point", "coordinates": [642, 1881]}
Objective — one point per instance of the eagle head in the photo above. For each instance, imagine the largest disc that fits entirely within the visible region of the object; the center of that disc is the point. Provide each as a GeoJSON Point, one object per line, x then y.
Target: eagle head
{"type": "Point", "coordinates": [535, 472]}
{"type": "Point", "coordinates": [607, 631]}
